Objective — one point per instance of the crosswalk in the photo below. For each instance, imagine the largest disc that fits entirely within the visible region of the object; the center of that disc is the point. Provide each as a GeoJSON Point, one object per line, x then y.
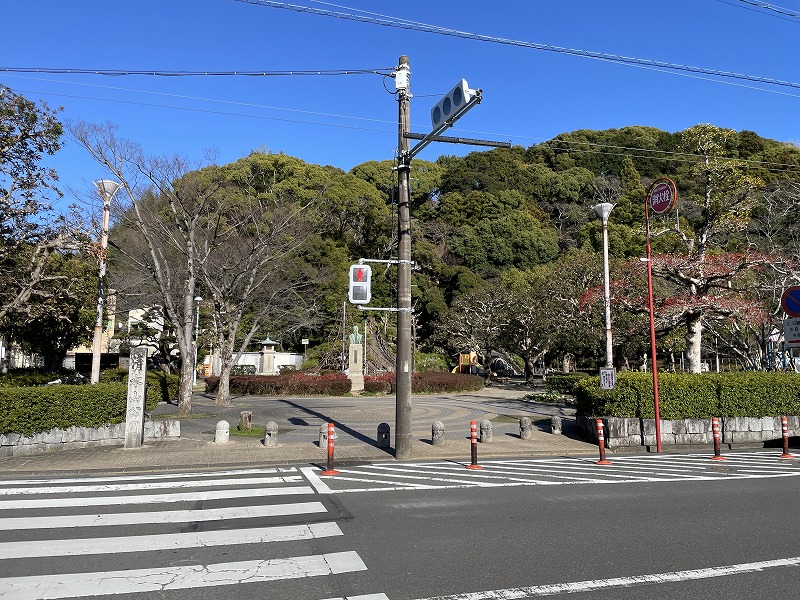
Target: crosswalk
{"type": "Point", "coordinates": [163, 533]}
{"type": "Point", "coordinates": [391, 476]}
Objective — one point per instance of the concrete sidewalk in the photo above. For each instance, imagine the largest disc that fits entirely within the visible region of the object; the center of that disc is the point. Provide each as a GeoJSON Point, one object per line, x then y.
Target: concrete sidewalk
{"type": "Point", "coordinates": [299, 420]}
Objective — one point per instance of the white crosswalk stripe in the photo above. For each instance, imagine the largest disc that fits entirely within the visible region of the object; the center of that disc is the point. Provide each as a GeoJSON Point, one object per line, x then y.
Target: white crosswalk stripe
{"type": "Point", "coordinates": [553, 471]}
{"type": "Point", "coordinates": [52, 533]}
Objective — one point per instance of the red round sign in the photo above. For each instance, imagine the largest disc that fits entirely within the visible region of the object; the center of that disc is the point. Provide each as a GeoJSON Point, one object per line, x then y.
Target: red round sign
{"type": "Point", "coordinates": [790, 301]}
{"type": "Point", "coordinates": [662, 195]}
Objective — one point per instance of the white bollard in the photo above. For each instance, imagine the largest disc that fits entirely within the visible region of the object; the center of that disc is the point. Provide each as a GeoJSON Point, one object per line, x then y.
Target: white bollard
{"type": "Point", "coordinates": [223, 432]}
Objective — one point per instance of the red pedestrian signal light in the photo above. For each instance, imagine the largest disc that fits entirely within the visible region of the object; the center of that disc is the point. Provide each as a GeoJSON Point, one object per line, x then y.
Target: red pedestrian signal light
{"type": "Point", "coordinates": [360, 291]}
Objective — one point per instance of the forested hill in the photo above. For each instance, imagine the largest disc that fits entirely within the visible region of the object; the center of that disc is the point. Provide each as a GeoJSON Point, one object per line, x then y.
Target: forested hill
{"type": "Point", "coordinates": [520, 218]}
{"type": "Point", "coordinates": [508, 251]}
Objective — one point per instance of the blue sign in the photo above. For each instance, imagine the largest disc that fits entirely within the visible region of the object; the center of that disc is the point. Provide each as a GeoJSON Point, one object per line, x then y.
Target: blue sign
{"type": "Point", "coordinates": [790, 301]}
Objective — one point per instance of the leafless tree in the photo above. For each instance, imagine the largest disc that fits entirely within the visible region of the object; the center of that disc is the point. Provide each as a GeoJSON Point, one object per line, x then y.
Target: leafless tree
{"type": "Point", "coordinates": [161, 206]}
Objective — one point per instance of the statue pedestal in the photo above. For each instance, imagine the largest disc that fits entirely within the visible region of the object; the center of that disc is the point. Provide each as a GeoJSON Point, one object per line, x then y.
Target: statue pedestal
{"type": "Point", "coordinates": [355, 368]}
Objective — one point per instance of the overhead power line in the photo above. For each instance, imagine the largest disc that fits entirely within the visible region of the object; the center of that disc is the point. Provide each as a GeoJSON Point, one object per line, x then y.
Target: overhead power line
{"type": "Point", "coordinates": [772, 8]}
{"type": "Point", "coordinates": [388, 72]}
{"type": "Point", "coordinates": [375, 19]}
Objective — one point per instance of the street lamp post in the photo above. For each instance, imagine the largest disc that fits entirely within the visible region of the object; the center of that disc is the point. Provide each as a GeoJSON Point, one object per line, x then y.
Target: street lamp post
{"type": "Point", "coordinates": [198, 300]}
{"type": "Point", "coordinates": [602, 210]}
{"type": "Point", "coordinates": [106, 188]}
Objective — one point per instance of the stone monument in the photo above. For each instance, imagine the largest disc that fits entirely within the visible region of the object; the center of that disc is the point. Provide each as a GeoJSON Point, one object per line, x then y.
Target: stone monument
{"type": "Point", "coordinates": [355, 367]}
{"type": "Point", "coordinates": [134, 412]}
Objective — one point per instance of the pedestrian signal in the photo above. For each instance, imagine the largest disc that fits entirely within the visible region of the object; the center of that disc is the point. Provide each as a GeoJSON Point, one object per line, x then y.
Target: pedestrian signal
{"type": "Point", "coordinates": [360, 291]}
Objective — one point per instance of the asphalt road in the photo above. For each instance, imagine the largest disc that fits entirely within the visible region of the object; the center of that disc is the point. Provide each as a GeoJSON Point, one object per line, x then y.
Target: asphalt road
{"type": "Point", "coordinates": [256, 533]}
{"type": "Point", "coordinates": [428, 544]}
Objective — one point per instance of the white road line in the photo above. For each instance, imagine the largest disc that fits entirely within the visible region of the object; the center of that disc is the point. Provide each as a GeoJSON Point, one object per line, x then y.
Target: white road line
{"type": "Point", "coordinates": [171, 516]}
{"type": "Point", "coordinates": [144, 486]}
{"type": "Point", "coordinates": [314, 480]}
{"type": "Point", "coordinates": [487, 474]}
{"type": "Point", "coordinates": [622, 582]}
{"type": "Point", "coordinates": [467, 478]}
{"type": "Point", "coordinates": [151, 476]}
{"type": "Point", "coordinates": [153, 498]}
{"type": "Point", "coordinates": [367, 597]}
{"type": "Point", "coordinates": [168, 541]}
{"type": "Point", "coordinates": [71, 585]}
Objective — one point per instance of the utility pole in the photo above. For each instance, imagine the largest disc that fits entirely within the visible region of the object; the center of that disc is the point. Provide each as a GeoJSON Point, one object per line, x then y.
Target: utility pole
{"type": "Point", "coordinates": [402, 425]}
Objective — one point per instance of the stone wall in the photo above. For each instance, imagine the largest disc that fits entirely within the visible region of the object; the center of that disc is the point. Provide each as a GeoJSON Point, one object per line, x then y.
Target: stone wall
{"type": "Point", "coordinates": [684, 432]}
{"type": "Point", "coordinates": [15, 444]}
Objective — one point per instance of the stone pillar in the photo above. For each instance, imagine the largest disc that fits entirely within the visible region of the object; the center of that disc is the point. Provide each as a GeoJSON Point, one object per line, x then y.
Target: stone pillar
{"type": "Point", "coordinates": [525, 429]}
{"type": "Point", "coordinates": [437, 433]}
{"type": "Point", "coordinates": [268, 361]}
{"type": "Point", "coordinates": [271, 434]}
{"type": "Point", "coordinates": [223, 432]}
{"type": "Point", "coordinates": [323, 435]}
{"type": "Point", "coordinates": [355, 368]}
{"type": "Point", "coordinates": [245, 420]}
{"type": "Point", "coordinates": [134, 412]}
{"type": "Point", "coordinates": [555, 425]}
{"type": "Point", "coordinates": [486, 432]}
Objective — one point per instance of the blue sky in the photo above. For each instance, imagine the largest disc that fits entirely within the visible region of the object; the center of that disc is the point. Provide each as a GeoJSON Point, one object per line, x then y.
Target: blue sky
{"type": "Point", "coordinates": [529, 95]}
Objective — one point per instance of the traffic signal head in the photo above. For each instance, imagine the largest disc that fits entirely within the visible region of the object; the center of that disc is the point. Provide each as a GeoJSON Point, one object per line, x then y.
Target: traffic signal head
{"type": "Point", "coordinates": [360, 291]}
{"type": "Point", "coordinates": [454, 100]}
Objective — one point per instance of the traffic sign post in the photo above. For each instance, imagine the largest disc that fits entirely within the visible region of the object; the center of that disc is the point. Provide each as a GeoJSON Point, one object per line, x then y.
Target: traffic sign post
{"type": "Point", "coordinates": [790, 301]}
{"type": "Point", "coordinates": [791, 332]}
{"type": "Point", "coordinates": [608, 378]}
{"type": "Point", "coordinates": [662, 195]}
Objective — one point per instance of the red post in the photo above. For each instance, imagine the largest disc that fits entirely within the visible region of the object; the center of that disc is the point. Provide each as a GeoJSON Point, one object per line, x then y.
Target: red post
{"type": "Point", "coordinates": [652, 324]}
{"type": "Point", "coordinates": [601, 442]}
{"type": "Point", "coordinates": [473, 435]}
{"type": "Point", "coordinates": [785, 435]}
{"type": "Point", "coordinates": [715, 431]}
{"type": "Point", "coordinates": [331, 437]}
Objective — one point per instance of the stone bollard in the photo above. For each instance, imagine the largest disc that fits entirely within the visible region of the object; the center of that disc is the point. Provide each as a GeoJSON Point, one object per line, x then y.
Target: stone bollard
{"type": "Point", "coordinates": [486, 432]}
{"type": "Point", "coordinates": [323, 435]}
{"type": "Point", "coordinates": [437, 433]}
{"type": "Point", "coordinates": [384, 437]}
{"type": "Point", "coordinates": [223, 432]}
{"type": "Point", "coordinates": [271, 434]}
{"type": "Point", "coordinates": [555, 425]}
{"type": "Point", "coordinates": [245, 420]}
{"type": "Point", "coordinates": [525, 429]}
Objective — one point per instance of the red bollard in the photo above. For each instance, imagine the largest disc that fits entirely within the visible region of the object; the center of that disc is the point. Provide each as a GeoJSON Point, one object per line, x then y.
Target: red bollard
{"type": "Point", "coordinates": [331, 436]}
{"type": "Point", "coordinates": [785, 435]}
{"type": "Point", "coordinates": [473, 432]}
{"type": "Point", "coordinates": [715, 431]}
{"type": "Point", "coordinates": [601, 442]}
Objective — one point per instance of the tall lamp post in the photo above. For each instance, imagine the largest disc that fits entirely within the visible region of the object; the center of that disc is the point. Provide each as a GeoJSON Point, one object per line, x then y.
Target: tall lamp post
{"type": "Point", "coordinates": [602, 210]}
{"type": "Point", "coordinates": [106, 188]}
{"type": "Point", "coordinates": [197, 300]}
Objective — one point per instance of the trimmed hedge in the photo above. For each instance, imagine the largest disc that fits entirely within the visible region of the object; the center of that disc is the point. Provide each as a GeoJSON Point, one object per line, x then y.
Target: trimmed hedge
{"type": "Point", "coordinates": [564, 383]}
{"type": "Point", "coordinates": [337, 384]}
{"type": "Point", "coordinates": [294, 384]}
{"type": "Point", "coordinates": [425, 383]}
{"type": "Point", "coordinates": [29, 410]}
{"type": "Point", "coordinates": [691, 396]}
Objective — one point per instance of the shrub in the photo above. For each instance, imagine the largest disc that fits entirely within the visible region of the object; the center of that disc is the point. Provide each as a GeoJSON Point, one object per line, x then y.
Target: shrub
{"type": "Point", "coordinates": [243, 370]}
{"type": "Point", "coordinates": [425, 383]}
{"type": "Point", "coordinates": [692, 396]}
{"type": "Point", "coordinates": [564, 383]}
{"type": "Point", "coordinates": [34, 377]}
{"type": "Point", "coordinates": [294, 383]}
{"type": "Point", "coordinates": [298, 383]}
{"type": "Point", "coordinates": [29, 410]}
